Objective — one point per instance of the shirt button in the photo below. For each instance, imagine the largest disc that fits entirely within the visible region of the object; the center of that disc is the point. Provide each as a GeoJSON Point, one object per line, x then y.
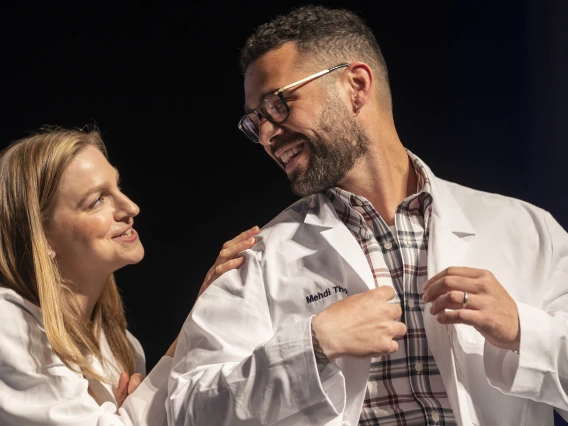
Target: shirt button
{"type": "Point", "coordinates": [435, 416]}
{"type": "Point", "coordinates": [387, 245]}
{"type": "Point", "coordinates": [358, 202]}
{"type": "Point", "coordinates": [411, 303]}
{"type": "Point", "coordinates": [418, 366]}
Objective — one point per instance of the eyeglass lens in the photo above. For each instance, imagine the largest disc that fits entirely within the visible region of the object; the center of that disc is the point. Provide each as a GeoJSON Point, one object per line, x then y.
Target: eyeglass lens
{"type": "Point", "coordinates": [273, 108]}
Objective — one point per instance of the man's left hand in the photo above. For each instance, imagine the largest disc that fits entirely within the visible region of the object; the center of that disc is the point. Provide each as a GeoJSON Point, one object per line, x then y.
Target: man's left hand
{"type": "Point", "coordinates": [488, 307]}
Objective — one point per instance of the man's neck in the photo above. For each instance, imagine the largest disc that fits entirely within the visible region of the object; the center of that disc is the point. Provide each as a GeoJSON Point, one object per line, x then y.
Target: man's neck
{"type": "Point", "coordinates": [384, 179]}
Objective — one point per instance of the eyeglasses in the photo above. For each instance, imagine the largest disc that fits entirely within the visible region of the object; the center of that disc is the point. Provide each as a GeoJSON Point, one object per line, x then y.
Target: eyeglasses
{"type": "Point", "coordinates": [274, 108]}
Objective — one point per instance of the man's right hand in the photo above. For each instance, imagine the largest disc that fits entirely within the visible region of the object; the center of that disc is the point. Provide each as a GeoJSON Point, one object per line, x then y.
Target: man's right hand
{"type": "Point", "coordinates": [362, 325]}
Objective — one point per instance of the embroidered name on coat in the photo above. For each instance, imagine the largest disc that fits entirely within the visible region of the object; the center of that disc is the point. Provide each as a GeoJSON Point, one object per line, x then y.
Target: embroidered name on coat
{"type": "Point", "coordinates": [315, 297]}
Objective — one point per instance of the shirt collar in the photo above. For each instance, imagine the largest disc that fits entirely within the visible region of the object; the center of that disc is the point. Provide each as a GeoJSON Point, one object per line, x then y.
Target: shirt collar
{"type": "Point", "coordinates": [423, 186]}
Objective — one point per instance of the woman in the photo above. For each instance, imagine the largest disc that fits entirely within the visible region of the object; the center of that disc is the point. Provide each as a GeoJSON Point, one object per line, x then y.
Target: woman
{"type": "Point", "coordinates": [66, 356]}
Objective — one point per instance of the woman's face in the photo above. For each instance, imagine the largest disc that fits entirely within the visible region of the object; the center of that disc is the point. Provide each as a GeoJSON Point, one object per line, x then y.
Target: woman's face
{"type": "Point", "coordinates": [91, 230]}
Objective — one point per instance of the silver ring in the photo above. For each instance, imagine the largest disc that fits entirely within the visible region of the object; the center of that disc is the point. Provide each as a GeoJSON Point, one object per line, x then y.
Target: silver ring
{"type": "Point", "coordinates": [465, 297]}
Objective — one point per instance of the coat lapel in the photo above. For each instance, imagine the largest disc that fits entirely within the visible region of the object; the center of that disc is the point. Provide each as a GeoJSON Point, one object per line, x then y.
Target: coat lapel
{"type": "Point", "coordinates": [446, 247]}
{"type": "Point", "coordinates": [450, 236]}
{"type": "Point", "coordinates": [340, 238]}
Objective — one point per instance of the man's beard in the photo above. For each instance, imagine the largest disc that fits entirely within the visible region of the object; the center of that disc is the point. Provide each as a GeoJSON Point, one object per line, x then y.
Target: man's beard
{"type": "Point", "coordinates": [336, 148]}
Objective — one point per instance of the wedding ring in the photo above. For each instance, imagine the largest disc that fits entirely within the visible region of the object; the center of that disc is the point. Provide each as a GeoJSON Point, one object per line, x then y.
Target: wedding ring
{"type": "Point", "coordinates": [465, 297]}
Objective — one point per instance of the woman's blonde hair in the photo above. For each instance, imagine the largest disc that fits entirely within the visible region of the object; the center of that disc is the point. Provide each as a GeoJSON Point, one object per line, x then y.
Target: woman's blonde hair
{"type": "Point", "coordinates": [30, 173]}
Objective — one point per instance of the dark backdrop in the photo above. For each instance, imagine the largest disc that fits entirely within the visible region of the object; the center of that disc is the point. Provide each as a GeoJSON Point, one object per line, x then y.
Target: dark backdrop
{"type": "Point", "coordinates": [479, 90]}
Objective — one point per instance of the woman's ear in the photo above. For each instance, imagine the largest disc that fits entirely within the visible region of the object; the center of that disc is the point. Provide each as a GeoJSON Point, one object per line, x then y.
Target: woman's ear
{"type": "Point", "coordinates": [50, 252]}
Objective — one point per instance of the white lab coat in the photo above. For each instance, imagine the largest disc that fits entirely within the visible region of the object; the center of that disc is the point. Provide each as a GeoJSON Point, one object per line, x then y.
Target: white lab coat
{"type": "Point", "coordinates": [36, 388]}
{"type": "Point", "coordinates": [244, 356]}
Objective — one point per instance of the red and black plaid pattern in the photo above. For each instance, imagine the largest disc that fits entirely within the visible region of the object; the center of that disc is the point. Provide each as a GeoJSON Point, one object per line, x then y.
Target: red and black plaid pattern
{"type": "Point", "coordinates": [404, 388]}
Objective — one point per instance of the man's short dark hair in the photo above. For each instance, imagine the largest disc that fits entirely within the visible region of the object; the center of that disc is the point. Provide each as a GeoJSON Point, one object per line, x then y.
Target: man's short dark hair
{"type": "Point", "coordinates": [322, 35]}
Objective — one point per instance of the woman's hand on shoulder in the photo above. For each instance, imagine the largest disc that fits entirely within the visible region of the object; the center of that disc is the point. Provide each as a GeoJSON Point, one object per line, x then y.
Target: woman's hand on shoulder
{"type": "Point", "coordinates": [227, 258]}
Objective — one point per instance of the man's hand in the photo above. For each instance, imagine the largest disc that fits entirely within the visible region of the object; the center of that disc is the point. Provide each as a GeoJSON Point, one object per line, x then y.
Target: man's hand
{"type": "Point", "coordinates": [489, 308]}
{"type": "Point", "coordinates": [362, 325]}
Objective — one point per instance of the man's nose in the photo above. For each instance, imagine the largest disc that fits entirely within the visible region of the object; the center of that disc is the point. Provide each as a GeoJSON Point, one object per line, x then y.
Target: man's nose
{"type": "Point", "coordinates": [266, 131]}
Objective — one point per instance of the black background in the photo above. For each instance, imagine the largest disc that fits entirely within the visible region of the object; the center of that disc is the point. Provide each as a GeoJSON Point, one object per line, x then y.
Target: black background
{"type": "Point", "coordinates": [479, 91]}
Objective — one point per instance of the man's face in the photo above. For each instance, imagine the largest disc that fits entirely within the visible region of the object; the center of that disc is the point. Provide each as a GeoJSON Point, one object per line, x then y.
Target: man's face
{"type": "Point", "coordinates": [320, 141]}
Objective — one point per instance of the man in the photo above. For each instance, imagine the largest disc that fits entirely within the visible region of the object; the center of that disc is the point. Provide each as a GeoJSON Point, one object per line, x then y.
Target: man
{"type": "Point", "coordinates": [385, 295]}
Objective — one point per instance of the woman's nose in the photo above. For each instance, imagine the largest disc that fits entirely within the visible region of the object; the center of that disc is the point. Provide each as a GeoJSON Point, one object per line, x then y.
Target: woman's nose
{"type": "Point", "coordinates": [129, 207]}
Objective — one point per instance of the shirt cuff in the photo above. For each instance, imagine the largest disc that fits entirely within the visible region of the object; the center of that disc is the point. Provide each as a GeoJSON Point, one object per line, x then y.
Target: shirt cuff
{"type": "Point", "coordinates": [331, 380]}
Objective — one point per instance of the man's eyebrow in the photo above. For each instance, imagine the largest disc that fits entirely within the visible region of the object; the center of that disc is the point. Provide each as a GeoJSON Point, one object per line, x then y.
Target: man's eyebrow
{"type": "Point", "coordinates": [262, 95]}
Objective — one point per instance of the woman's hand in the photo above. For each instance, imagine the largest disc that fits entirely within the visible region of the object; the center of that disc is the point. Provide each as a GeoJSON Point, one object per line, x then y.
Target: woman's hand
{"type": "Point", "coordinates": [126, 386]}
{"type": "Point", "coordinates": [227, 259]}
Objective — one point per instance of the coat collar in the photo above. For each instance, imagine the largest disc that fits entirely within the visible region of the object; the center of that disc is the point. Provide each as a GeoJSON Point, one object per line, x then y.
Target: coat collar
{"type": "Point", "coordinates": [445, 207]}
{"type": "Point", "coordinates": [448, 227]}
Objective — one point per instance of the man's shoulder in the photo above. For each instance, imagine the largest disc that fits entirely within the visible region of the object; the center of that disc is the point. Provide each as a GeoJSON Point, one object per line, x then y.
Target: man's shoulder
{"type": "Point", "coordinates": [480, 206]}
{"type": "Point", "coordinates": [298, 217]}
{"type": "Point", "coordinates": [296, 212]}
{"type": "Point", "coordinates": [465, 195]}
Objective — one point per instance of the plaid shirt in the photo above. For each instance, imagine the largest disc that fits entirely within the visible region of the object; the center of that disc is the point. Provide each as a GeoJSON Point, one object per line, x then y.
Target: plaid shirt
{"type": "Point", "coordinates": [404, 388]}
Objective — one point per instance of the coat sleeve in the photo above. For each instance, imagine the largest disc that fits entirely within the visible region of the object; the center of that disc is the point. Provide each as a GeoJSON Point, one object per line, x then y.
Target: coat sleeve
{"type": "Point", "coordinates": [231, 367]}
{"type": "Point", "coordinates": [36, 388]}
{"type": "Point", "coordinates": [146, 405]}
{"type": "Point", "coordinates": [540, 371]}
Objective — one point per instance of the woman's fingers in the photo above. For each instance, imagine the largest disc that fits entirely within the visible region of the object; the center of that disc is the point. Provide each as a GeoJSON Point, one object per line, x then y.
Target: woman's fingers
{"type": "Point", "coordinates": [228, 265]}
{"type": "Point", "coordinates": [233, 247]}
{"type": "Point", "coordinates": [233, 250]}
{"type": "Point", "coordinates": [245, 235]}
{"type": "Point", "coordinates": [134, 382]}
{"type": "Point", "coordinates": [227, 259]}
{"type": "Point", "coordinates": [126, 385]}
{"type": "Point", "coordinates": [121, 391]}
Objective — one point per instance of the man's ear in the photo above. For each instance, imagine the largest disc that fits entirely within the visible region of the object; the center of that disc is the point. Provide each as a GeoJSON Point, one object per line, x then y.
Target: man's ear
{"type": "Point", "coordinates": [361, 79]}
